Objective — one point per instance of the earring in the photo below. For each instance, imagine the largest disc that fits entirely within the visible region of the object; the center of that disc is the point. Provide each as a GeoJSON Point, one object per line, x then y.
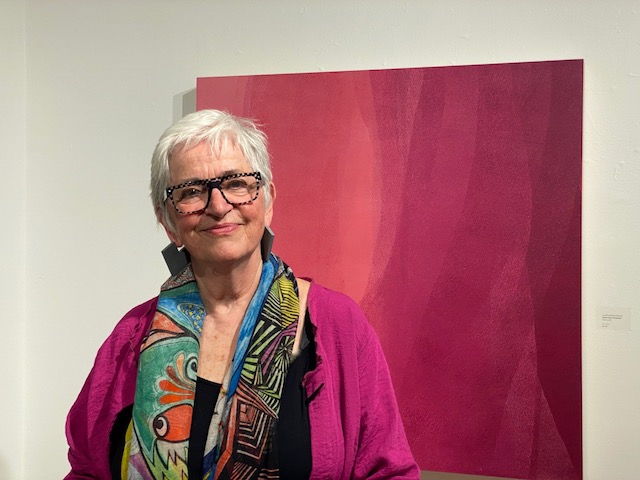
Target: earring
{"type": "Point", "coordinates": [176, 259]}
{"type": "Point", "coordinates": [266, 243]}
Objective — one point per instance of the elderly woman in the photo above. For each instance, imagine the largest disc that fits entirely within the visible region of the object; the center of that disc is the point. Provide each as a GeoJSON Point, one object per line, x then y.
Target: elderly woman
{"type": "Point", "coordinates": [238, 369]}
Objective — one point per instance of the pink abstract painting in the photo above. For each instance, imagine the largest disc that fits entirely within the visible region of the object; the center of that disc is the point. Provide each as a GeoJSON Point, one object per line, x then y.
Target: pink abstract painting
{"type": "Point", "coordinates": [447, 202]}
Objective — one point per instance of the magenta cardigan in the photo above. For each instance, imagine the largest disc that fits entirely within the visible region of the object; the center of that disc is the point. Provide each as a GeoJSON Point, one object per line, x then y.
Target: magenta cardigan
{"type": "Point", "coordinates": [356, 430]}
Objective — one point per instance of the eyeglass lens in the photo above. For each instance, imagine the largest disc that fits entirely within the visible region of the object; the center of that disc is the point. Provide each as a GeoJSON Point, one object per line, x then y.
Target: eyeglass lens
{"type": "Point", "coordinates": [237, 189]}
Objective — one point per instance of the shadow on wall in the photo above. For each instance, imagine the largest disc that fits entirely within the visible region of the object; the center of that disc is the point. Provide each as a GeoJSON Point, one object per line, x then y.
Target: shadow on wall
{"type": "Point", "coordinates": [183, 104]}
{"type": "Point", "coordinates": [424, 475]}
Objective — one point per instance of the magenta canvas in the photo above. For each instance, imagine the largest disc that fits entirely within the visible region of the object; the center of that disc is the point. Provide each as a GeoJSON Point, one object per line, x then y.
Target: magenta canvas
{"type": "Point", "coordinates": [447, 202]}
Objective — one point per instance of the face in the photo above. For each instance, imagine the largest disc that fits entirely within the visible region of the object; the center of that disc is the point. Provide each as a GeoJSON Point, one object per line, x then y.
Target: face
{"type": "Point", "coordinates": [222, 233]}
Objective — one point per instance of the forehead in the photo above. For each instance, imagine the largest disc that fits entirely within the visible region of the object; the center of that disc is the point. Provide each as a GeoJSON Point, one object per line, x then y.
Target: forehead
{"type": "Point", "coordinates": [207, 161]}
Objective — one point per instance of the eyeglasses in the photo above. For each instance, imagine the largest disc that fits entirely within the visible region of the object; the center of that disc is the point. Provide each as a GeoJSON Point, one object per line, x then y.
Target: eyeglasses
{"type": "Point", "coordinates": [194, 196]}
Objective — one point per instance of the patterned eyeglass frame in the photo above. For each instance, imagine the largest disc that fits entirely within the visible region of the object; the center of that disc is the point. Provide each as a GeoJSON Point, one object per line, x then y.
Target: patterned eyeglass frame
{"type": "Point", "coordinates": [212, 183]}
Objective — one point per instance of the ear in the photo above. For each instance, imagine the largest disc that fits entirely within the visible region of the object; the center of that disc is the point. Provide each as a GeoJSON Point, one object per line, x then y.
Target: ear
{"type": "Point", "coordinates": [268, 214]}
{"type": "Point", "coordinates": [173, 236]}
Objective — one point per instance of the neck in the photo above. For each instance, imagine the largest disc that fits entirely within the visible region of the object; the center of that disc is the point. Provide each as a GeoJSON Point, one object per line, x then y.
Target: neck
{"type": "Point", "coordinates": [228, 285]}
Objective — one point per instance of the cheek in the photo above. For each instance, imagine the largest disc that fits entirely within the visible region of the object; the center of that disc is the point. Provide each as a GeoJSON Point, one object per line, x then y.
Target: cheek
{"type": "Point", "coordinates": [258, 218]}
{"type": "Point", "coordinates": [185, 225]}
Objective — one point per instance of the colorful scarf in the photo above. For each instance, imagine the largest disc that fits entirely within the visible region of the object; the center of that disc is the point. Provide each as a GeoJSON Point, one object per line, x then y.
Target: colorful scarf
{"type": "Point", "coordinates": [243, 429]}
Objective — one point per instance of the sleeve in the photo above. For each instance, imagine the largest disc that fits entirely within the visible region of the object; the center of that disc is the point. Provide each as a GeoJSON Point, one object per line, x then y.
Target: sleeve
{"type": "Point", "coordinates": [383, 451]}
{"type": "Point", "coordinates": [77, 430]}
{"type": "Point", "coordinates": [109, 388]}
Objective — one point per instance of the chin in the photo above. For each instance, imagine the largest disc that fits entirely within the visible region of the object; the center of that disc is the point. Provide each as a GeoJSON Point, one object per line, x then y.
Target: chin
{"type": "Point", "coordinates": [225, 256]}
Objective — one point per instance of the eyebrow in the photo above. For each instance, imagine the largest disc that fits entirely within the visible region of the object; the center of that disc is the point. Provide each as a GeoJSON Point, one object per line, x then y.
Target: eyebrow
{"type": "Point", "coordinates": [198, 179]}
{"type": "Point", "coordinates": [186, 181]}
{"type": "Point", "coordinates": [231, 172]}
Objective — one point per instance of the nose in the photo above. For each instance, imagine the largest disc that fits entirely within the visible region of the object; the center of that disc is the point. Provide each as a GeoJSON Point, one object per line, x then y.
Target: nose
{"type": "Point", "coordinates": [217, 206]}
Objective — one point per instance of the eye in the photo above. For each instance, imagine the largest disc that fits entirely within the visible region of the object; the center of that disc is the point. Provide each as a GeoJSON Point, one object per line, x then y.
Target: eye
{"type": "Point", "coordinates": [161, 426]}
{"type": "Point", "coordinates": [190, 192]}
{"type": "Point", "coordinates": [235, 184]}
{"type": "Point", "coordinates": [191, 368]}
{"type": "Point", "coordinates": [173, 425]}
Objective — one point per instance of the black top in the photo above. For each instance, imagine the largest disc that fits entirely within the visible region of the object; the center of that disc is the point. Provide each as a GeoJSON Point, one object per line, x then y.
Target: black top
{"type": "Point", "coordinates": [204, 403]}
{"type": "Point", "coordinates": [293, 435]}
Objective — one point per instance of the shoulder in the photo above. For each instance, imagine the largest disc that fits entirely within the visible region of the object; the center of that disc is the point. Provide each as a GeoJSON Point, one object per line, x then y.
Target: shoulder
{"type": "Point", "coordinates": [332, 301]}
{"type": "Point", "coordinates": [334, 313]}
{"type": "Point", "coordinates": [135, 322]}
{"type": "Point", "coordinates": [121, 347]}
{"type": "Point", "coordinates": [116, 361]}
{"type": "Point", "coordinates": [138, 315]}
{"type": "Point", "coordinates": [127, 335]}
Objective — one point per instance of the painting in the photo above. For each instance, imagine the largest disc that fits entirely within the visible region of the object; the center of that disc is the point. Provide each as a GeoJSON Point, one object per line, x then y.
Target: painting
{"type": "Point", "coordinates": [447, 202]}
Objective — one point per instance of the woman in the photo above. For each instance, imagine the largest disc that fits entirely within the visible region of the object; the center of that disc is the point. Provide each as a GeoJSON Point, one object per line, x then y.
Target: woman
{"type": "Point", "coordinates": [238, 369]}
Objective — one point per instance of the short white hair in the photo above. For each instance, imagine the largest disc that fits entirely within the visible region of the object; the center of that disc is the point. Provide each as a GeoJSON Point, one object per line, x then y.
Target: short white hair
{"type": "Point", "coordinates": [216, 128]}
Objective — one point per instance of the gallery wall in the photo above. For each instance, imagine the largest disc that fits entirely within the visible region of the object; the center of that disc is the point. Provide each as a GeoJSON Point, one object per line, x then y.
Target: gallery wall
{"type": "Point", "coordinates": [98, 81]}
{"type": "Point", "coordinates": [12, 244]}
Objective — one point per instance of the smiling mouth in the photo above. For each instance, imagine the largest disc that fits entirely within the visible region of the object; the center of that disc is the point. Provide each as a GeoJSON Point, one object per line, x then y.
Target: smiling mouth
{"type": "Point", "coordinates": [222, 229]}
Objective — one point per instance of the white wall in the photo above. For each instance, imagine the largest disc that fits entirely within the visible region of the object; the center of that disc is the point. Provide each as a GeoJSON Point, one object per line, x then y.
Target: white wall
{"type": "Point", "coordinates": [101, 83]}
{"type": "Point", "coordinates": [12, 240]}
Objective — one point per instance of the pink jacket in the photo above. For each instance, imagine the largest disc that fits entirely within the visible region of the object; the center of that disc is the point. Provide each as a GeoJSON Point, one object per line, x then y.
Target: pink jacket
{"type": "Point", "coordinates": [356, 430]}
